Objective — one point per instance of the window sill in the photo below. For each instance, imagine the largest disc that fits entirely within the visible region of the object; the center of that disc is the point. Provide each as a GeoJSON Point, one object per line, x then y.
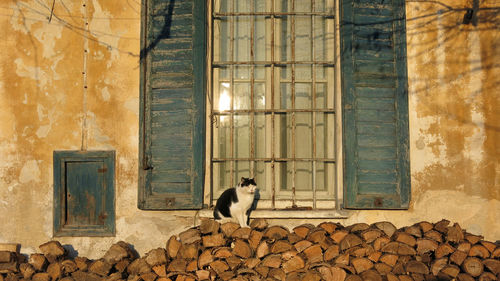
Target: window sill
{"type": "Point", "coordinates": [288, 214]}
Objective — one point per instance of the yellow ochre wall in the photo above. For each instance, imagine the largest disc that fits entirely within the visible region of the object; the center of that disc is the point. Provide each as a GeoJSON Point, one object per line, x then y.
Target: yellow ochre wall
{"type": "Point", "coordinates": [454, 94]}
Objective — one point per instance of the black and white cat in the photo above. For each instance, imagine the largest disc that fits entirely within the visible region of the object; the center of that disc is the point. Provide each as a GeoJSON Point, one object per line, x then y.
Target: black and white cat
{"type": "Point", "coordinates": [236, 202]}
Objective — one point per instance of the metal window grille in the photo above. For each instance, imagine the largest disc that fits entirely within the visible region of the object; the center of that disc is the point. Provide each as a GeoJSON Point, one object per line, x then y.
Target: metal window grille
{"type": "Point", "coordinates": [272, 100]}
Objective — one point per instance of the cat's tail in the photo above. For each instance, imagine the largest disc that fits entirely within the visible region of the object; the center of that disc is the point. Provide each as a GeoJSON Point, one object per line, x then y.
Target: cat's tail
{"type": "Point", "coordinates": [216, 215]}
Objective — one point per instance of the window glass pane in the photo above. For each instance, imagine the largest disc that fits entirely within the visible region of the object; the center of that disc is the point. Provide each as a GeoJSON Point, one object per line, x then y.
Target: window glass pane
{"type": "Point", "coordinates": [319, 38]}
{"type": "Point", "coordinates": [222, 177]}
{"type": "Point", "coordinates": [285, 96]}
{"type": "Point", "coordinates": [284, 43]}
{"type": "Point", "coordinates": [222, 39]}
{"type": "Point", "coordinates": [303, 177]}
{"type": "Point", "coordinates": [242, 136]}
{"type": "Point", "coordinates": [222, 133]}
{"type": "Point", "coordinates": [260, 176]}
{"type": "Point", "coordinates": [303, 38]}
{"type": "Point", "coordinates": [241, 72]}
{"type": "Point", "coordinates": [321, 134]}
{"type": "Point", "coordinates": [259, 42]}
{"type": "Point", "coordinates": [319, 5]}
{"type": "Point", "coordinates": [260, 137]}
{"type": "Point", "coordinates": [260, 95]}
{"type": "Point", "coordinates": [223, 6]}
{"type": "Point", "coordinates": [260, 5]}
{"type": "Point", "coordinates": [303, 135]}
{"type": "Point", "coordinates": [302, 6]}
{"type": "Point", "coordinates": [242, 95]}
{"type": "Point", "coordinates": [242, 169]}
{"type": "Point", "coordinates": [303, 96]}
{"type": "Point", "coordinates": [242, 38]}
{"type": "Point", "coordinates": [222, 99]}
{"type": "Point", "coordinates": [242, 6]}
{"type": "Point", "coordinates": [320, 96]}
{"type": "Point", "coordinates": [283, 135]}
{"type": "Point", "coordinates": [303, 73]}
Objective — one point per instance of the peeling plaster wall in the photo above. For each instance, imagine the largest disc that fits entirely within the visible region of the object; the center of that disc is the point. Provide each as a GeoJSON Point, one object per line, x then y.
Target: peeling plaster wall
{"type": "Point", "coordinates": [454, 88]}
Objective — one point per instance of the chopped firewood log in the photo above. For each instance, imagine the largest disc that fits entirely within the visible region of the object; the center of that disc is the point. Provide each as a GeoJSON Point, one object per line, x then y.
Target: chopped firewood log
{"type": "Point", "coordinates": [189, 251]}
{"type": "Point", "coordinates": [392, 277]}
{"type": "Point", "coordinates": [488, 245]}
{"type": "Point", "coordinates": [358, 227]}
{"type": "Point", "coordinates": [242, 249]}
{"type": "Point", "coordinates": [406, 238]}
{"type": "Point", "coordinates": [254, 239]}
{"type": "Point", "coordinates": [277, 273]}
{"type": "Point", "coordinates": [361, 264]}
{"type": "Point", "coordinates": [387, 227]}
{"type": "Point", "coordinates": [276, 232]}
{"type": "Point", "coordinates": [288, 254]}
{"type": "Point", "coordinates": [414, 266]}
{"type": "Point", "coordinates": [370, 235]}
{"type": "Point", "coordinates": [464, 277]}
{"type": "Point", "coordinates": [342, 259]}
{"type": "Point", "coordinates": [205, 258]}
{"type": "Point", "coordinates": [273, 261]}
{"type": "Point", "coordinates": [262, 249]}
{"type": "Point", "coordinates": [350, 241]}
{"type": "Point", "coordinates": [451, 270]}
{"type": "Point", "coordinates": [353, 277]}
{"type": "Point", "coordinates": [303, 229]}
{"type": "Point", "coordinates": [496, 253]}
{"type": "Point", "coordinates": [259, 224]}
{"type": "Point", "coordinates": [189, 236]}
{"type": "Point", "coordinates": [233, 262]}
{"type": "Point", "coordinates": [222, 252]}
{"type": "Point", "coordinates": [330, 227]}
{"type": "Point", "coordinates": [487, 276]}
{"type": "Point", "coordinates": [178, 265]}
{"type": "Point", "coordinates": [228, 228]}
{"type": "Point", "coordinates": [173, 247]}
{"type": "Point", "coordinates": [280, 246]}
{"type": "Point", "coordinates": [479, 250]}
{"type": "Point", "coordinates": [442, 226]}
{"type": "Point", "coordinates": [458, 257]}
{"type": "Point", "coordinates": [414, 230]}
{"type": "Point", "coordinates": [438, 264]}
{"type": "Point", "coordinates": [464, 246]}
{"type": "Point", "coordinates": [293, 238]}
{"type": "Point", "coordinates": [214, 240]}
{"type": "Point", "coordinates": [209, 226]}
{"type": "Point", "coordinates": [242, 233]}
{"type": "Point", "coordinates": [492, 265]}
{"type": "Point", "coordinates": [339, 235]}
{"type": "Point", "coordinates": [444, 250]}
{"type": "Point", "coordinates": [374, 256]}
{"type": "Point", "coordinates": [332, 252]}
{"type": "Point", "coordinates": [219, 266]}
{"type": "Point", "coordinates": [455, 233]}
{"type": "Point", "coordinates": [293, 264]}
{"type": "Point", "coordinates": [389, 259]}
{"type": "Point", "coordinates": [473, 266]}
{"type": "Point", "coordinates": [425, 226]}
{"type": "Point", "coordinates": [371, 275]}
{"type": "Point", "coordinates": [425, 245]}
{"type": "Point", "coordinates": [383, 268]}
{"type": "Point", "coordinates": [314, 254]}
{"type": "Point", "coordinates": [398, 248]}
{"type": "Point", "coordinates": [434, 235]}
{"type": "Point", "coordinates": [473, 239]}
{"type": "Point", "coordinates": [380, 242]}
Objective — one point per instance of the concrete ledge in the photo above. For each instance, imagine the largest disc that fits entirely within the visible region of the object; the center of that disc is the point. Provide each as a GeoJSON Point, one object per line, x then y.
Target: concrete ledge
{"type": "Point", "coordinates": [288, 214]}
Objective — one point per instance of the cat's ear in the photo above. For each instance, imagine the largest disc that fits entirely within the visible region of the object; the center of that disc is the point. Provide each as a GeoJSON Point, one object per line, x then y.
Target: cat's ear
{"type": "Point", "coordinates": [242, 180]}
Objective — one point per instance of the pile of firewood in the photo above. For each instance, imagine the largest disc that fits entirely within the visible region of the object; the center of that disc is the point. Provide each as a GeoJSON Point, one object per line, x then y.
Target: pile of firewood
{"type": "Point", "coordinates": [329, 251]}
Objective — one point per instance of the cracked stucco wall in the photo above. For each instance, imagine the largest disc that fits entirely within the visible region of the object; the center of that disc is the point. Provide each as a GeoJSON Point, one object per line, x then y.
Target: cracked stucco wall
{"type": "Point", "coordinates": [454, 82]}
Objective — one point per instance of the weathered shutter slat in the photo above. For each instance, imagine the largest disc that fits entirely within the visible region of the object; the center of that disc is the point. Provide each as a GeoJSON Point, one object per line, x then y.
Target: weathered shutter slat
{"type": "Point", "coordinates": [375, 104]}
{"type": "Point", "coordinates": [173, 92]}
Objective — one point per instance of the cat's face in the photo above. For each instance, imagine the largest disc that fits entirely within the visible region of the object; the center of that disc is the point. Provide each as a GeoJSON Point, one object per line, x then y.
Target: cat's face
{"type": "Point", "coordinates": [248, 185]}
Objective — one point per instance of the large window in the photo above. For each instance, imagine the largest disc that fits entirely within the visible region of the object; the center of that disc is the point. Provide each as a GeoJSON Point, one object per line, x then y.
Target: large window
{"type": "Point", "coordinates": [307, 96]}
{"type": "Point", "coordinates": [273, 99]}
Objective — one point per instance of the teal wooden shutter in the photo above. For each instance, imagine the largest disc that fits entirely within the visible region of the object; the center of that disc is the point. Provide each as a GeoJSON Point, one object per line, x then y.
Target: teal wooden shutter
{"type": "Point", "coordinates": [375, 104]}
{"type": "Point", "coordinates": [172, 104]}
